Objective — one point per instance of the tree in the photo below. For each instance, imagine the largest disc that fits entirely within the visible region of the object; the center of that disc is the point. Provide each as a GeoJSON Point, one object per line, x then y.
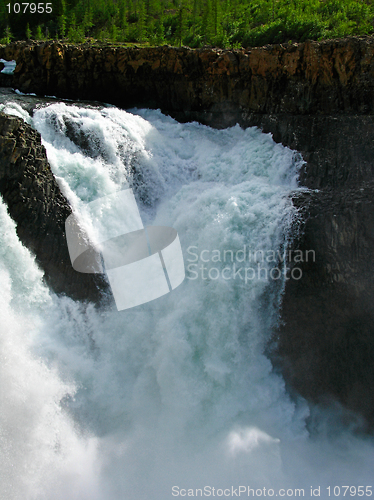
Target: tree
{"type": "Point", "coordinates": [28, 32]}
{"type": "Point", "coordinates": [181, 23]}
{"type": "Point", "coordinates": [215, 9]}
{"type": "Point", "coordinates": [194, 12]}
{"type": "Point", "coordinates": [39, 33]}
{"type": "Point", "coordinates": [141, 35]}
{"type": "Point", "coordinates": [7, 35]}
{"type": "Point", "coordinates": [62, 19]}
{"type": "Point", "coordinates": [207, 22]}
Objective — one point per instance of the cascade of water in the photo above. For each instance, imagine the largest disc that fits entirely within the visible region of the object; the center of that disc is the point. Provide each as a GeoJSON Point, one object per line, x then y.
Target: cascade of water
{"type": "Point", "coordinates": [101, 404]}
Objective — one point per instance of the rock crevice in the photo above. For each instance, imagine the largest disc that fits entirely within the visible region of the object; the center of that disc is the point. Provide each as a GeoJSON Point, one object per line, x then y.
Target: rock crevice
{"type": "Point", "coordinates": [40, 210]}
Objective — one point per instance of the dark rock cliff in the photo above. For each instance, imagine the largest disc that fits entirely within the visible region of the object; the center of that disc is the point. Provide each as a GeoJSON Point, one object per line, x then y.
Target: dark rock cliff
{"type": "Point", "coordinates": [301, 93]}
{"type": "Point", "coordinates": [39, 209]}
{"type": "Point", "coordinates": [326, 337]}
{"type": "Point", "coordinates": [309, 78]}
{"type": "Point", "coordinates": [316, 97]}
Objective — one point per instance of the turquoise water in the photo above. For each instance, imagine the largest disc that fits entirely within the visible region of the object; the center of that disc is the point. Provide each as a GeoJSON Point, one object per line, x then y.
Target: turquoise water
{"type": "Point", "coordinates": [100, 404]}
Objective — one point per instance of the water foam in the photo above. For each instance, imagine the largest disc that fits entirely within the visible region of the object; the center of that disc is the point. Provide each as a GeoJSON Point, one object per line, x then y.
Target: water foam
{"type": "Point", "coordinates": [127, 405]}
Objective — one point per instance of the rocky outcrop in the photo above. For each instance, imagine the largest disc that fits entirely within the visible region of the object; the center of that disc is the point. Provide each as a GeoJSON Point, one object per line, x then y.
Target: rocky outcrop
{"type": "Point", "coordinates": [316, 97]}
{"type": "Point", "coordinates": [332, 77]}
{"type": "Point", "coordinates": [325, 341]}
{"type": "Point", "coordinates": [6, 53]}
{"type": "Point", "coordinates": [39, 209]}
{"type": "Point", "coordinates": [301, 93]}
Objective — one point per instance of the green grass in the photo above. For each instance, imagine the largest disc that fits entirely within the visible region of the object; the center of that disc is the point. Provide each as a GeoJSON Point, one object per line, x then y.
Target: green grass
{"type": "Point", "coordinates": [193, 23]}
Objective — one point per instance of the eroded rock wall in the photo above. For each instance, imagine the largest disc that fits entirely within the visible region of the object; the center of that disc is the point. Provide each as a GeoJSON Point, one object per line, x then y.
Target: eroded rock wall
{"type": "Point", "coordinates": [316, 97]}
{"type": "Point", "coordinates": [312, 77]}
{"type": "Point", "coordinates": [325, 341]}
{"type": "Point", "coordinates": [39, 209]}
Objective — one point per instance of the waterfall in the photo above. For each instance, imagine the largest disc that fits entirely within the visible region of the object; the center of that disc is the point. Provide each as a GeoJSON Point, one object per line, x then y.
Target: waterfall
{"type": "Point", "coordinates": [174, 397]}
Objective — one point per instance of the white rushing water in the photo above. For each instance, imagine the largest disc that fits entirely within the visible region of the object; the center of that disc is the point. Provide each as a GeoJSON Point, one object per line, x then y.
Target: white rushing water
{"type": "Point", "coordinates": [107, 405]}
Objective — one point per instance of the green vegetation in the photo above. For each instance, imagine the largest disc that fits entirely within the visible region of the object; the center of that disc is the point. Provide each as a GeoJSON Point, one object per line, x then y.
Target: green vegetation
{"type": "Point", "coordinates": [195, 23]}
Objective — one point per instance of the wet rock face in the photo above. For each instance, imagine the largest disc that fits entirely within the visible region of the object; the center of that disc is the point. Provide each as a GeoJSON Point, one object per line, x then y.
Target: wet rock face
{"type": "Point", "coordinates": [308, 78]}
{"type": "Point", "coordinates": [325, 342]}
{"type": "Point", "coordinates": [316, 97]}
{"type": "Point", "coordinates": [39, 209]}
